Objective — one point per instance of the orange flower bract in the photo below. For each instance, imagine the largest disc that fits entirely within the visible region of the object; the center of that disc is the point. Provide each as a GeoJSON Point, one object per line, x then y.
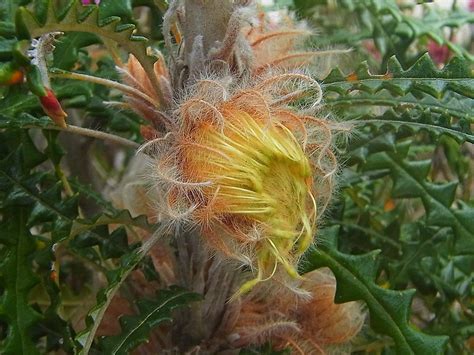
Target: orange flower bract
{"type": "Point", "coordinates": [249, 172]}
{"type": "Point", "coordinates": [259, 191]}
{"type": "Point", "coordinates": [240, 155]}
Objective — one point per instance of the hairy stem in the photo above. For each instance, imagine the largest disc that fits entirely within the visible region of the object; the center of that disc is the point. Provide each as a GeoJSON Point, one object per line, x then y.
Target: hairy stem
{"type": "Point", "coordinates": [206, 18]}
{"type": "Point", "coordinates": [93, 134]}
{"type": "Point", "coordinates": [106, 82]}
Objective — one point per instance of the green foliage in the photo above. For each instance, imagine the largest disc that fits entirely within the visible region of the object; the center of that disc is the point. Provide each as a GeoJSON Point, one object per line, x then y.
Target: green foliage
{"type": "Point", "coordinates": [152, 313]}
{"type": "Point", "coordinates": [128, 262]}
{"type": "Point", "coordinates": [420, 98]}
{"type": "Point", "coordinates": [405, 186]}
{"type": "Point", "coordinates": [17, 281]}
{"type": "Point", "coordinates": [29, 200]}
{"type": "Point", "coordinates": [391, 28]}
{"type": "Point", "coordinates": [389, 310]}
{"type": "Point", "coordinates": [400, 234]}
{"type": "Point", "coordinates": [76, 18]}
{"type": "Point", "coordinates": [409, 181]}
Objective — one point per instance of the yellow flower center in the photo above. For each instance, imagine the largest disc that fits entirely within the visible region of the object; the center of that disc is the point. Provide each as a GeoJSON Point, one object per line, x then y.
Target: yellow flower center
{"type": "Point", "coordinates": [260, 180]}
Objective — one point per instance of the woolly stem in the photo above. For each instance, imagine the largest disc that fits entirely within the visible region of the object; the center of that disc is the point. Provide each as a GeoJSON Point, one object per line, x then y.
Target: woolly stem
{"type": "Point", "coordinates": [106, 82]}
{"type": "Point", "coordinates": [93, 134]}
{"type": "Point", "coordinates": [217, 14]}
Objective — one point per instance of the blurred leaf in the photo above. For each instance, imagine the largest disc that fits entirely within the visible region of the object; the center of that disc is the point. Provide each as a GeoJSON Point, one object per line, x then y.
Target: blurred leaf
{"type": "Point", "coordinates": [68, 46]}
{"type": "Point", "coordinates": [121, 217]}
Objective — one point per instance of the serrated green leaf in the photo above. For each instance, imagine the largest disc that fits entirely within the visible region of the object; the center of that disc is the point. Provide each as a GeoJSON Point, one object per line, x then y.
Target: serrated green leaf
{"type": "Point", "coordinates": [423, 76]}
{"type": "Point", "coordinates": [152, 313]}
{"type": "Point", "coordinates": [456, 107]}
{"type": "Point", "coordinates": [77, 18]}
{"type": "Point", "coordinates": [122, 217]}
{"type": "Point", "coordinates": [413, 122]}
{"type": "Point", "coordinates": [437, 199]}
{"type": "Point", "coordinates": [389, 310]}
{"type": "Point", "coordinates": [17, 280]}
{"type": "Point", "coordinates": [408, 92]}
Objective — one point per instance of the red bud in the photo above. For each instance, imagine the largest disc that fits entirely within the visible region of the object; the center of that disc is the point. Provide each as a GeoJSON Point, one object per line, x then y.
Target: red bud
{"type": "Point", "coordinates": [53, 109]}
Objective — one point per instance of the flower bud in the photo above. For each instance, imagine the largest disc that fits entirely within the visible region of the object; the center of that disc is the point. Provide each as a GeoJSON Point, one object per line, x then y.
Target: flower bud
{"type": "Point", "coordinates": [52, 108]}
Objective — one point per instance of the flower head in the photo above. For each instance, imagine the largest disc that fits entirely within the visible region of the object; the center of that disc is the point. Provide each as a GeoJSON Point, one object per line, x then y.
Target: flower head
{"type": "Point", "coordinates": [250, 172]}
{"type": "Point", "coordinates": [242, 155]}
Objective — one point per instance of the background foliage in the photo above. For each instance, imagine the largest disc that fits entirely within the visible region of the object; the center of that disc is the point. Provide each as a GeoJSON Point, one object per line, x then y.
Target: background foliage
{"type": "Point", "coordinates": [400, 234]}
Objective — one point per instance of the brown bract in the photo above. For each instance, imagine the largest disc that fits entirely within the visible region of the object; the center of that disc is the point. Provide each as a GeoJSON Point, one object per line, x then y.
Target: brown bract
{"type": "Point", "coordinates": [313, 326]}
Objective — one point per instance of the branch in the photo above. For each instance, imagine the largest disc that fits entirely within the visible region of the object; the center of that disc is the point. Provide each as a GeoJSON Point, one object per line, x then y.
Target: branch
{"type": "Point", "coordinates": [106, 82]}
{"type": "Point", "coordinates": [93, 134]}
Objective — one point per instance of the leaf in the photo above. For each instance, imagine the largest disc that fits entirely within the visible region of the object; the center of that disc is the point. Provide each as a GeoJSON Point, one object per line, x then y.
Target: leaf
{"type": "Point", "coordinates": [121, 217]}
{"type": "Point", "coordinates": [413, 122]}
{"type": "Point", "coordinates": [420, 98]}
{"type": "Point", "coordinates": [17, 107]}
{"type": "Point", "coordinates": [389, 310]}
{"type": "Point", "coordinates": [86, 191]}
{"type": "Point", "coordinates": [77, 18]}
{"type": "Point", "coordinates": [17, 279]}
{"type": "Point", "coordinates": [409, 28]}
{"type": "Point", "coordinates": [24, 190]}
{"type": "Point", "coordinates": [128, 263]}
{"type": "Point", "coordinates": [8, 8]}
{"type": "Point", "coordinates": [394, 29]}
{"type": "Point", "coordinates": [120, 8]}
{"type": "Point", "coordinates": [455, 106]}
{"type": "Point", "coordinates": [410, 182]}
{"type": "Point", "coordinates": [41, 192]}
{"type": "Point", "coordinates": [433, 23]}
{"type": "Point", "coordinates": [6, 47]}
{"type": "Point", "coordinates": [18, 246]}
{"type": "Point", "coordinates": [67, 48]}
{"type": "Point", "coordinates": [24, 120]}
{"type": "Point", "coordinates": [152, 313]}
{"type": "Point", "coordinates": [422, 77]}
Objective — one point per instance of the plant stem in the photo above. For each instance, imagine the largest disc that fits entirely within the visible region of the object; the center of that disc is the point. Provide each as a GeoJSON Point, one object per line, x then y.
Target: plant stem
{"type": "Point", "coordinates": [93, 134]}
{"type": "Point", "coordinates": [106, 82]}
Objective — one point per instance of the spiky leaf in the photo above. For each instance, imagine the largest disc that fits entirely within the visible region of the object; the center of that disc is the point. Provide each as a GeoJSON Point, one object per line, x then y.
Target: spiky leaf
{"type": "Point", "coordinates": [17, 280]}
{"type": "Point", "coordinates": [410, 182]}
{"type": "Point", "coordinates": [77, 18]}
{"type": "Point", "coordinates": [152, 313]}
{"type": "Point", "coordinates": [389, 310]}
